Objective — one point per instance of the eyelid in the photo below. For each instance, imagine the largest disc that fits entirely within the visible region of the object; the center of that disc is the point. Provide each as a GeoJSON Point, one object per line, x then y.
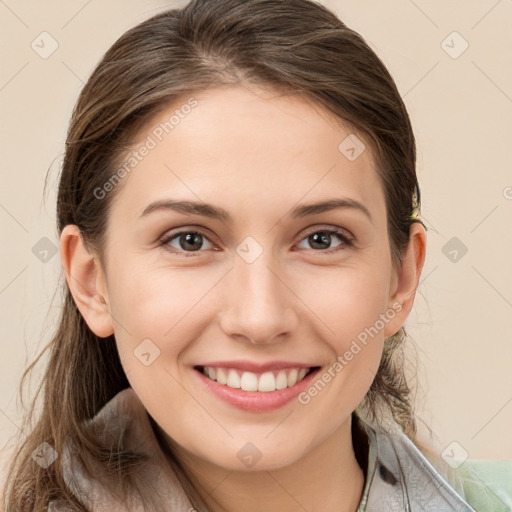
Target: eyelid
{"type": "Point", "coordinates": [329, 228]}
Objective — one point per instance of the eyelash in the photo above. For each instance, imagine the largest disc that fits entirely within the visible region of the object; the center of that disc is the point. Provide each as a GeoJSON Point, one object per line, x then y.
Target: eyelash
{"type": "Point", "coordinates": [344, 237]}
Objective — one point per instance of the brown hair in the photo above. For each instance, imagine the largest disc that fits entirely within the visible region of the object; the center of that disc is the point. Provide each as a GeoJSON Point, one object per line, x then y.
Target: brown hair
{"type": "Point", "coordinates": [295, 46]}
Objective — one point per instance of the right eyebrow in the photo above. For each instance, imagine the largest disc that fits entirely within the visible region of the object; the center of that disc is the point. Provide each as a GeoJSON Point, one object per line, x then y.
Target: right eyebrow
{"type": "Point", "coordinates": [188, 208]}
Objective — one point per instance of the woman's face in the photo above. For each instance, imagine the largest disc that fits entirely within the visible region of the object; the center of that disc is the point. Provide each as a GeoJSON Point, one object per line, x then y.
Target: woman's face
{"type": "Point", "coordinates": [261, 282]}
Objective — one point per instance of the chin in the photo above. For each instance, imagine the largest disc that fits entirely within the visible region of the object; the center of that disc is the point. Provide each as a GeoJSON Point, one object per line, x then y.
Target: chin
{"type": "Point", "coordinates": [252, 457]}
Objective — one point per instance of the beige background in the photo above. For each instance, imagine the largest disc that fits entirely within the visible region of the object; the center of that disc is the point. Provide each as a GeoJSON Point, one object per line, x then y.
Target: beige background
{"type": "Point", "coordinates": [461, 109]}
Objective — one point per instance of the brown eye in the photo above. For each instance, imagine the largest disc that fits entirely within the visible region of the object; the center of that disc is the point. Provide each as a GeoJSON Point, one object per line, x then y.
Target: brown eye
{"type": "Point", "coordinates": [186, 241]}
{"type": "Point", "coordinates": [322, 239]}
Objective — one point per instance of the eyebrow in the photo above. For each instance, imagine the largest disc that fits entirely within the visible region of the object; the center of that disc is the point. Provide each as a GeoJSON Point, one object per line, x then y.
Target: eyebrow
{"type": "Point", "coordinates": [215, 212]}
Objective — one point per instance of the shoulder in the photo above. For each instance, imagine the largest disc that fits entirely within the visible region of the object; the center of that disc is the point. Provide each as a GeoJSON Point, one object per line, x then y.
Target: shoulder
{"type": "Point", "coordinates": [400, 477]}
{"type": "Point", "coordinates": [122, 428]}
{"type": "Point", "coordinates": [469, 485]}
{"type": "Point", "coordinates": [417, 483]}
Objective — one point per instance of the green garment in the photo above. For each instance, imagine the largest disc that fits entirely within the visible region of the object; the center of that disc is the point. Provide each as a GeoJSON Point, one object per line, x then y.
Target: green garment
{"type": "Point", "coordinates": [487, 484]}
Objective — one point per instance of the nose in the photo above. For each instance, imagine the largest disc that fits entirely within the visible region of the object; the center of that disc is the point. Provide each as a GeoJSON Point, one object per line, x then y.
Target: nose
{"type": "Point", "coordinates": [258, 304]}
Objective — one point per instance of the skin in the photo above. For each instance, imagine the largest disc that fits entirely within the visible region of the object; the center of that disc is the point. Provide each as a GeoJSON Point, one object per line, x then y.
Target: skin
{"type": "Point", "coordinates": [257, 154]}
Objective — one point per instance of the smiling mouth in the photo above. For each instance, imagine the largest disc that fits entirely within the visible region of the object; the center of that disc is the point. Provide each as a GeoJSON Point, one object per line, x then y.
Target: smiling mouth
{"type": "Point", "coordinates": [250, 381]}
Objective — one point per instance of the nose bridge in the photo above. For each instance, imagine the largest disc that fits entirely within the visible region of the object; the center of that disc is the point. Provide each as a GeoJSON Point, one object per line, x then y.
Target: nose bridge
{"type": "Point", "coordinates": [258, 305]}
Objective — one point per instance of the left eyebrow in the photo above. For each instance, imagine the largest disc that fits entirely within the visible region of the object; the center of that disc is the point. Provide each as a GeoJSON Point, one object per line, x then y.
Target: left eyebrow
{"type": "Point", "coordinates": [331, 204]}
{"type": "Point", "coordinates": [215, 212]}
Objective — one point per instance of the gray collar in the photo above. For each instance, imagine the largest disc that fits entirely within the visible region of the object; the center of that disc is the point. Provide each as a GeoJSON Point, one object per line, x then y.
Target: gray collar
{"type": "Point", "coordinates": [400, 478]}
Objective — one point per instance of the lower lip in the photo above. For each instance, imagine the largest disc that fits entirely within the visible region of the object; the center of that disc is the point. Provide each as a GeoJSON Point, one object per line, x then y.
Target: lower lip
{"type": "Point", "coordinates": [256, 401]}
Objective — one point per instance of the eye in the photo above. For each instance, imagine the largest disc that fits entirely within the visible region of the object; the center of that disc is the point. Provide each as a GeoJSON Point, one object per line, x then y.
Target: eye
{"type": "Point", "coordinates": [186, 241]}
{"type": "Point", "coordinates": [321, 238]}
{"type": "Point", "coordinates": [190, 242]}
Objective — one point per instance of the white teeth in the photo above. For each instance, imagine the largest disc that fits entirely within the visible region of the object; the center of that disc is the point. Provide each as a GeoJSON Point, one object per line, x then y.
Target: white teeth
{"type": "Point", "coordinates": [249, 381]}
{"type": "Point", "coordinates": [267, 382]}
{"type": "Point", "coordinates": [281, 380]}
{"type": "Point", "coordinates": [233, 379]}
{"type": "Point", "coordinates": [292, 377]}
{"type": "Point", "coordinates": [222, 377]}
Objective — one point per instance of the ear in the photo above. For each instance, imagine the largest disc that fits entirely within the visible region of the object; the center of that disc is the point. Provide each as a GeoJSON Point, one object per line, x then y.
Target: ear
{"type": "Point", "coordinates": [406, 278]}
{"type": "Point", "coordinates": [86, 281]}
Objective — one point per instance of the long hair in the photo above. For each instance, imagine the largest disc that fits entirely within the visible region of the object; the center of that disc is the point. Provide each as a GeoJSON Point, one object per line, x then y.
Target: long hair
{"type": "Point", "coordinates": [296, 46]}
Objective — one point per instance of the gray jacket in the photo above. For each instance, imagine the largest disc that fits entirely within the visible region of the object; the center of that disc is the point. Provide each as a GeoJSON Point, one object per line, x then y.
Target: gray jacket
{"type": "Point", "coordinates": [398, 476]}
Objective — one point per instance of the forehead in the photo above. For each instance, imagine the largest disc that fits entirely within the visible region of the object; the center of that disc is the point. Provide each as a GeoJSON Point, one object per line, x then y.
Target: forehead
{"type": "Point", "coordinates": [237, 143]}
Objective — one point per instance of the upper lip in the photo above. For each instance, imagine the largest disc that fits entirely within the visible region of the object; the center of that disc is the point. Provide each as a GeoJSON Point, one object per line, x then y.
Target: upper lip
{"type": "Point", "coordinates": [251, 366]}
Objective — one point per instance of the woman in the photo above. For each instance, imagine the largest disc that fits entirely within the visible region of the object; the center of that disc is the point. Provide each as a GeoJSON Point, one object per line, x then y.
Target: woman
{"type": "Point", "coordinates": [240, 235]}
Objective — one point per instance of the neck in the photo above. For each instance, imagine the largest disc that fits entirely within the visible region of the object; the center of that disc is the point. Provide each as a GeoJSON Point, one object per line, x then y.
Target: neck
{"type": "Point", "coordinates": [327, 478]}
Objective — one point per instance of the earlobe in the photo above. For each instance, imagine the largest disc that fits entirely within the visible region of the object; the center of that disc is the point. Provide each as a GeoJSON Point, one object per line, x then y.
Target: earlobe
{"type": "Point", "coordinates": [86, 281]}
{"type": "Point", "coordinates": [407, 278]}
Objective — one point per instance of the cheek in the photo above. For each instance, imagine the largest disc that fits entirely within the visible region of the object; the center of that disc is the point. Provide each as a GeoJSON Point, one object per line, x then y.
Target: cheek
{"type": "Point", "coordinates": [355, 313]}
{"type": "Point", "coordinates": [347, 302]}
{"type": "Point", "coordinates": [351, 305]}
{"type": "Point", "coordinates": [163, 305]}
{"type": "Point", "coordinates": [153, 301]}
